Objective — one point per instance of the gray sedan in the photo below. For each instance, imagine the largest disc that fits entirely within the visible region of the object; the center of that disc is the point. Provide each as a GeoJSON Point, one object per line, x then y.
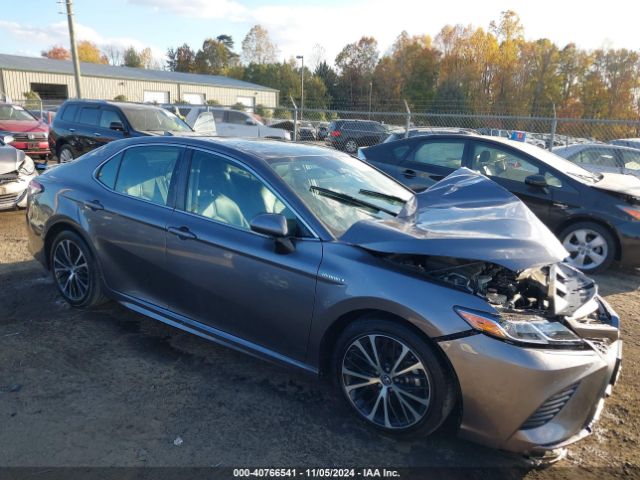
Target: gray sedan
{"type": "Point", "coordinates": [598, 157]}
{"type": "Point", "coordinates": [451, 303]}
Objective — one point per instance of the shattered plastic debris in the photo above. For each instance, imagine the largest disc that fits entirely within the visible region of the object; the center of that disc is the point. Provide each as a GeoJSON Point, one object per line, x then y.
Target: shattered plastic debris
{"type": "Point", "coordinates": [178, 441]}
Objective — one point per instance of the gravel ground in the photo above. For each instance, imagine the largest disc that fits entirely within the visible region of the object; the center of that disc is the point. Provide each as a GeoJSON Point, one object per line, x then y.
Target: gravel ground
{"type": "Point", "coordinates": [109, 387]}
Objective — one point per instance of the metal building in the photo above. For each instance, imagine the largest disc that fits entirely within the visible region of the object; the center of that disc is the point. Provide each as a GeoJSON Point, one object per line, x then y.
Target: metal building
{"type": "Point", "coordinates": [53, 81]}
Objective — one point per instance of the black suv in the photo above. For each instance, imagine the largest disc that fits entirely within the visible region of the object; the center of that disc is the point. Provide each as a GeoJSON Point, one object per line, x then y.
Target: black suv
{"type": "Point", "coordinates": [348, 135]}
{"type": "Point", "coordinates": [83, 125]}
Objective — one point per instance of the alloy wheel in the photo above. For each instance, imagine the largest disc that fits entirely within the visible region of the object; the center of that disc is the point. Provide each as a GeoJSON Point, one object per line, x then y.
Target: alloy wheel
{"type": "Point", "coordinates": [386, 382]}
{"type": "Point", "coordinates": [351, 146]}
{"type": "Point", "coordinates": [66, 155]}
{"type": "Point", "coordinates": [71, 270]}
{"type": "Point", "coordinates": [588, 249]}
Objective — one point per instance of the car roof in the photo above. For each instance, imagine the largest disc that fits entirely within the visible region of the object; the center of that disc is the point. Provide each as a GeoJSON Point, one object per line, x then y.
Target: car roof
{"type": "Point", "coordinates": [132, 106]}
{"type": "Point", "coordinates": [264, 149]}
{"type": "Point", "coordinates": [577, 147]}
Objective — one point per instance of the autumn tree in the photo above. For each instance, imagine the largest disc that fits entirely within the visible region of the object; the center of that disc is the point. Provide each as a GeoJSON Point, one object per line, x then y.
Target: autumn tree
{"type": "Point", "coordinates": [257, 47]}
{"type": "Point", "coordinates": [57, 53]}
{"type": "Point", "coordinates": [215, 56]}
{"type": "Point", "coordinates": [90, 53]}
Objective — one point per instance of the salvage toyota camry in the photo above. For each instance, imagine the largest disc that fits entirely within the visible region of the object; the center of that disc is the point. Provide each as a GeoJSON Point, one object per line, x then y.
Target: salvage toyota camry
{"type": "Point", "coordinates": [452, 302]}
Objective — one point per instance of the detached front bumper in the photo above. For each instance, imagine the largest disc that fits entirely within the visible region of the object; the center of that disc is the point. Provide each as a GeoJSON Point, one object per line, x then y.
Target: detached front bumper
{"type": "Point", "coordinates": [532, 400]}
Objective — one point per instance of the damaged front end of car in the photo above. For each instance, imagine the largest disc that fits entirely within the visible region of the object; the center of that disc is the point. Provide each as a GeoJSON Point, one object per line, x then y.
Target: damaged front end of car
{"type": "Point", "coordinates": [543, 348]}
{"type": "Point", "coordinates": [16, 171]}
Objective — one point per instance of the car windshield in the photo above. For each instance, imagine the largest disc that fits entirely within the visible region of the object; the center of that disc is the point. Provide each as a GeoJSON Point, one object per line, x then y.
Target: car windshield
{"type": "Point", "coordinates": [14, 112]}
{"type": "Point", "coordinates": [341, 190]}
{"type": "Point", "coordinates": [559, 163]}
{"type": "Point", "coordinates": [154, 120]}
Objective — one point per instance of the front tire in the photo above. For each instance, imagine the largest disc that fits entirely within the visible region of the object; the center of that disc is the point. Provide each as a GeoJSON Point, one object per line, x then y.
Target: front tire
{"type": "Point", "coordinates": [75, 271]}
{"type": "Point", "coordinates": [392, 378]}
{"type": "Point", "coordinates": [591, 247]}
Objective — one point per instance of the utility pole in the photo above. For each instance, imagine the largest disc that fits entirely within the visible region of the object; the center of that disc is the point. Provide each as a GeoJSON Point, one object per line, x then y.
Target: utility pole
{"type": "Point", "coordinates": [74, 48]}
{"type": "Point", "coordinates": [301, 57]}
{"type": "Point", "coordinates": [370, 89]}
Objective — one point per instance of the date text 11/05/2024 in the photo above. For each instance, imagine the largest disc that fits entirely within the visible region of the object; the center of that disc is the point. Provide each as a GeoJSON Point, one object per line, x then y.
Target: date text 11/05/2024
{"type": "Point", "coordinates": [316, 472]}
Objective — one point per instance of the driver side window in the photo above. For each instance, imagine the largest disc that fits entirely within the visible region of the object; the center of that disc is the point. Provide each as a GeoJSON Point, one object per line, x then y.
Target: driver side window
{"type": "Point", "coordinates": [227, 193]}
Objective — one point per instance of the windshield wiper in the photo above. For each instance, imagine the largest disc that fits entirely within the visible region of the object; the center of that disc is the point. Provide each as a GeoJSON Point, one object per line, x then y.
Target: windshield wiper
{"type": "Point", "coordinates": [349, 200]}
{"type": "Point", "coordinates": [391, 198]}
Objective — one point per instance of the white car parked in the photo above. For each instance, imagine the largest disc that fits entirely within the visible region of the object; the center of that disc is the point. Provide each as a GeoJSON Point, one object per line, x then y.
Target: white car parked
{"type": "Point", "coordinates": [16, 171]}
{"type": "Point", "coordinates": [229, 123]}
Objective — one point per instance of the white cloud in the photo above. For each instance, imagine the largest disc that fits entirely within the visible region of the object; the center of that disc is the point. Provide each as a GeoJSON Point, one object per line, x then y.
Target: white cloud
{"type": "Point", "coordinates": [44, 37]}
{"type": "Point", "coordinates": [227, 9]}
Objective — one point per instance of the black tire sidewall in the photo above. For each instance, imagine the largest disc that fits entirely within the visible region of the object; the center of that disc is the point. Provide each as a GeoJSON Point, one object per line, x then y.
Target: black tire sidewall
{"type": "Point", "coordinates": [443, 393]}
{"type": "Point", "coordinates": [608, 237]}
{"type": "Point", "coordinates": [94, 292]}
{"type": "Point", "coordinates": [65, 147]}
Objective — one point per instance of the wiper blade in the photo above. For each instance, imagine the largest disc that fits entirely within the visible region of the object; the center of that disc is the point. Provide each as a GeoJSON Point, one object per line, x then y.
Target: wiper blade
{"type": "Point", "coordinates": [391, 198]}
{"type": "Point", "coordinates": [348, 199]}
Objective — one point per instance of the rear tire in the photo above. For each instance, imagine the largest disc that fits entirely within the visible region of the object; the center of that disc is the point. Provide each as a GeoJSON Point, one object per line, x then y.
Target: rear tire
{"type": "Point", "coordinates": [75, 271]}
{"type": "Point", "coordinates": [591, 246]}
{"type": "Point", "coordinates": [382, 388]}
{"type": "Point", "coordinates": [66, 154]}
{"type": "Point", "coordinates": [351, 146]}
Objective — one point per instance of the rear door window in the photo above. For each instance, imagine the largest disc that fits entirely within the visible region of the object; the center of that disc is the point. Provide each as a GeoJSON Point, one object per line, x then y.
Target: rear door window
{"type": "Point", "coordinates": [146, 172]}
{"type": "Point", "coordinates": [89, 116]}
{"type": "Point", "coordinates": [440, 153]}
{"type": "Point", "coordinates": [69, 113]}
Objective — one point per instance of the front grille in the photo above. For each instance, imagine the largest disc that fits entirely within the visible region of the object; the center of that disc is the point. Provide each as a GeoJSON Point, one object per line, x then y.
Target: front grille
{"type": "Point", "coordinates": [24, 136]}
{"type": "Point", "coordinates": [549, 409]}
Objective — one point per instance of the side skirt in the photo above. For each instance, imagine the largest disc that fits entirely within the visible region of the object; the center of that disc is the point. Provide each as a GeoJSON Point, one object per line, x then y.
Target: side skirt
{"type": "Point", "coordinates": [210, 333]}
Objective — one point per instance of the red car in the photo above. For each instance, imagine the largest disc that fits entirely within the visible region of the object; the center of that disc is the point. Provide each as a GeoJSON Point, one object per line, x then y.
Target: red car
{"type": "Point", "coordinates": [30, 134]}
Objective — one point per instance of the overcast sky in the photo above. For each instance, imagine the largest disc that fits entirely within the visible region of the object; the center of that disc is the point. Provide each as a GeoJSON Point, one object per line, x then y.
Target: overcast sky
{"type": "Point", "coordinates": [296, 26]}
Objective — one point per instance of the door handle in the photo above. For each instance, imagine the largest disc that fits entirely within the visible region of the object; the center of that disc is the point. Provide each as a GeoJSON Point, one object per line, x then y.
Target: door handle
{"type": "Point", "coordinates": [562, 206]}
{"type": "Point", "coordinates": [93, 205]}
{"type": "Point", "coordinates": [182, 233]}
{"type": "Point", "coordinates": [72, 130]}
{"type": "Point", "coordinates": [409, 173]}
{"type": "Point", "coordinates": [97, 134]}
{"type": "Point", "coordinates": [436, 177]}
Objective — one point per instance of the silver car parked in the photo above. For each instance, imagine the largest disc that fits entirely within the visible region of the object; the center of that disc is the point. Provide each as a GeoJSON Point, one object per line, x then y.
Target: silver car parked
{"type": "Point", "coordinates": [603, 158]}
{"type": "Point", "coordinates": [16, 171]}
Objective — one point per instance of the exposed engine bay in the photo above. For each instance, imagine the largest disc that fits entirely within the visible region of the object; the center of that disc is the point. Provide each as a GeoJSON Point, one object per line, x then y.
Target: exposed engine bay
{"type": "Point", "coordinates": [555, 292]}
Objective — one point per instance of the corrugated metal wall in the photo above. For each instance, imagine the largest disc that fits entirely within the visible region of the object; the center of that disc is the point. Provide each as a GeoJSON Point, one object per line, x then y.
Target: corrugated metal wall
{"type": "Point", "coordinates": [15, 83]}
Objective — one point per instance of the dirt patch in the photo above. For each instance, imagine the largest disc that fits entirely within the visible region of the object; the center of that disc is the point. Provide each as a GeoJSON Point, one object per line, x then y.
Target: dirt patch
{"type": "Point", "coordinates": [109, 387]}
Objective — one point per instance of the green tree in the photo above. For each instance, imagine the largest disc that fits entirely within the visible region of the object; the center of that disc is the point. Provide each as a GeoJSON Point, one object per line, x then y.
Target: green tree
{"type": "Point", "coordinates": [131, 58]}
{"type": "Point", "coordinates": [181, 59]}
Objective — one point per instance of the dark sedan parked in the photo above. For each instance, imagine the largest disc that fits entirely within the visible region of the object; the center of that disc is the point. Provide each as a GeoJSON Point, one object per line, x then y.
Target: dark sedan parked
{"type": "Point", "coordinates": [83, 125]}
{"type": "Point", "coordinates": [455, 301]}
{"type": "Point", "coordinates": [596, 216]}
{"type": "Point", "coordinates": [306, 132]}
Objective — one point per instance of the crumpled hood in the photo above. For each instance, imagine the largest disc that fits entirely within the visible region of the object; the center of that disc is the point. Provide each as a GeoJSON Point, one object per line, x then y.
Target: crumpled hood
{"type": "Point", "coordinates": [10, 159]}
{"type": "Point", "coordinates": [467, 216]}
{"type": "Point", "coordinates": [619, 183]}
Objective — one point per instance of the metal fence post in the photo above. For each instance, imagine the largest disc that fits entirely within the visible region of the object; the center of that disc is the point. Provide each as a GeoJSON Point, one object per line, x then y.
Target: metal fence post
{"type": "Point", "coordinates": [554, 125]}
{"type": "Point", "coordinates": [408, 122]}
{"type": "Point", "coordinates": [295, 120]}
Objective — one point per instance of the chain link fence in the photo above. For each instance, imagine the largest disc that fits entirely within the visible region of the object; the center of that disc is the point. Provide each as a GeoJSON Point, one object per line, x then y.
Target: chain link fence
{"type": "Point", "coordinates": [363, 127]}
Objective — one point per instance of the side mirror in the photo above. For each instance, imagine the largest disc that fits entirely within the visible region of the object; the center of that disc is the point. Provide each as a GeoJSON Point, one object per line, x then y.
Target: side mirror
{"type": "Point", "coordinates": [117, 126]}
{"type": "Point", "coordinates": [536, 181]}
{"type": "Point", "coordinates": [7, 139]}
{"type": "Point", "coordinates": [274, 225]}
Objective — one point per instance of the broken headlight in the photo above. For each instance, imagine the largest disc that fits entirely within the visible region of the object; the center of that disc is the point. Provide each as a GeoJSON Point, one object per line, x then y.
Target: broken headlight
{"type": "Point", "coordinates": [520, 328]}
